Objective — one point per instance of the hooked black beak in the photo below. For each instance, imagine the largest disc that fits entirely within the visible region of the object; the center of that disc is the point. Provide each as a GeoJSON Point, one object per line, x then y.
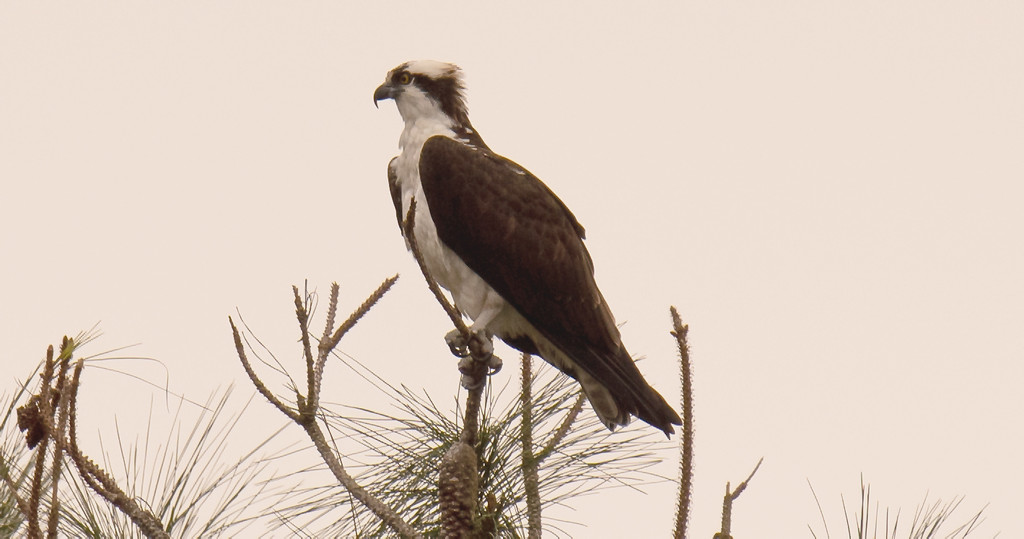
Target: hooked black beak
{"type": "Point", "coordinates": [384, 91]}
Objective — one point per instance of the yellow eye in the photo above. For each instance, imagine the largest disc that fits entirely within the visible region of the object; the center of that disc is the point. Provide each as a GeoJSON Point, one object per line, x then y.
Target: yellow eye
{"type": "Point", "coordinates": [404, 78]}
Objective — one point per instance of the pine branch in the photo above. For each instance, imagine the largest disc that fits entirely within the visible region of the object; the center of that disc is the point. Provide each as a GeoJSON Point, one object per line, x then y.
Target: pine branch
{"type": "Point", "coordinates": [308, 406]}
{"type": "Point", "coordinates": [530, 479]}
{"type": "Point", "coordinates": [374, 504]}
{"type": "Point", "coordinates": [97, 478]}
{"type": "Point", "coordinates": [260, 386]}
{"type": "Point", "coordinates": [563, 428]}
{"type": "Point", "coordinates": [44, 424]}
{"type": "Point", "coordinates": [456, 491]}
{"type": "Point", "coordinates": [679, 331]}
{"type": "Point", "coordinates": [58, 452]}
{"type": "Point", "coordinates": [303, 317]}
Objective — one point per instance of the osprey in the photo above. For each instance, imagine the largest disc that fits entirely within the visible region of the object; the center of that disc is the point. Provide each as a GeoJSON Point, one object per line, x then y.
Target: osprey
{"type": "Point", "coordinates": [506, 247]}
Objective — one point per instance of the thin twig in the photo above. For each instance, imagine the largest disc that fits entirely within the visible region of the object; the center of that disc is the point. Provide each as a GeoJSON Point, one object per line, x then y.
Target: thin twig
{"type": "Point", "coordinates": [240, 350]}
{"type": "Point", "coordinates": [360, 311]}
{"type": "Point", "coordinates": [679, 331]}
{"type": "Point", "coordinates": [13, 488]}
{"type": "Point", "coordinates": [727, 503]}
{"type": "Point", "coordinates": [328, 342]}
{"type": "Point", "coordinates": [303, 316]}
{"type": "Point", "coordinates": [323, 348]}
{"type": "Point", "coordinates": [736, 493]}
{"type": "Point", "coordinates": [563, 428]}
{"type": "Point", "coordinates": [332, 311]}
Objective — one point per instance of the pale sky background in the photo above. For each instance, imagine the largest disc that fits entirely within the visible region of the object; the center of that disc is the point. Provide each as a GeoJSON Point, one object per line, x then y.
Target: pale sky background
{"type": "Point", "coordinates": [830, 192]}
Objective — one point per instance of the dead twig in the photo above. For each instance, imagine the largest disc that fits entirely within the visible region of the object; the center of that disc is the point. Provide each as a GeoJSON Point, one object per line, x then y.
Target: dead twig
{"type": "Point", "coordinates": [308, 406]}
{"type": "Point", "coordinates": [730, 496]}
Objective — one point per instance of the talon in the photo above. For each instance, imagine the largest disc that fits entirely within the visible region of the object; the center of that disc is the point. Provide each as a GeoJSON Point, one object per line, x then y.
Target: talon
{"type": "Point", "coordinates": [470, 380]}
{"type": "Point", "coordinates": [476, 351]}
{"type": "Point", "coordinates": [456, 343]}
{"type": "Point", "coordinates": [470, 383]}
{"type": "Point", "coordinates": [493, 365]}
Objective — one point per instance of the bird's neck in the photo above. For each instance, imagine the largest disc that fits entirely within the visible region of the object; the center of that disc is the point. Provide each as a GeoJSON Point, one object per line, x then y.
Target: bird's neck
{"type": "Point", "coordinates": [419, 128]}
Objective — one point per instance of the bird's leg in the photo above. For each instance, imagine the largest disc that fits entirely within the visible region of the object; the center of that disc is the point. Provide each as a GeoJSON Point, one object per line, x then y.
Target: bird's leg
{"type": "Point", "coordinates": [477, 349]}
{"type": "Point", "coordinates": [480, 346]}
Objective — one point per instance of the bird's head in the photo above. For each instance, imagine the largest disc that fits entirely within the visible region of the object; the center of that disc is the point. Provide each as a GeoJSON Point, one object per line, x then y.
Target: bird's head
{"type": "Point", "coordinates": [426, 89]}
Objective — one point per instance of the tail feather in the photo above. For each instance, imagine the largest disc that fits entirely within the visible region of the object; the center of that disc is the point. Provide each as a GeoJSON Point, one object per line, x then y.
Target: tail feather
{"type": "Point", "coordinates": [615, 410]}
{"type": "Point", "coordinates": [655, 411]}
{"type": "Point", "coordinates": [633, 393]}
{"type": "Point", "coordinates": [610, 379]}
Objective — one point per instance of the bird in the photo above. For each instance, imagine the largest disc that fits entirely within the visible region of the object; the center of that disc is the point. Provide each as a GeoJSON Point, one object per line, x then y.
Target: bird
{"type": "Point", "coordinates": [506, 247]}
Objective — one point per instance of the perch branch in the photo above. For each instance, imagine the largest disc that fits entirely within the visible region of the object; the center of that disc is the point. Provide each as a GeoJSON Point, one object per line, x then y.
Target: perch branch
{"type": "Point", "coordinates": [458, 479]}
{"type": "Point", "coordinates": [449, 309]}
{"type": "Point", "coordinates": [475, 372]}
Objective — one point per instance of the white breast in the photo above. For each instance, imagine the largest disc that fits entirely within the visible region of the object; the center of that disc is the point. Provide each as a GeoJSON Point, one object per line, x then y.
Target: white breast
{"type": "Point", "coordinates": [469, 290]}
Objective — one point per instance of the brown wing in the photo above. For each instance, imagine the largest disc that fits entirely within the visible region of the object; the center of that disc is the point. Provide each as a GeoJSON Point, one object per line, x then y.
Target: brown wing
{"type": "Point", "coordinates": [510, 229]}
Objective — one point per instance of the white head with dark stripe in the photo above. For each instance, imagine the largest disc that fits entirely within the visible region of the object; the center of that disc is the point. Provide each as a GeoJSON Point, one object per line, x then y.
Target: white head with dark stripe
{"type": "Point", "coordinates": [427, 89]}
